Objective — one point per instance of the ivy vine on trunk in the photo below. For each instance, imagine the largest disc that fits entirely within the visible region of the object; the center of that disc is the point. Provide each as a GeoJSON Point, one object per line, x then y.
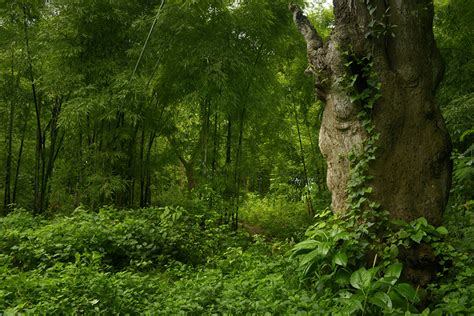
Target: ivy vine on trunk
{"type": "Point", "coordinates": [377, 74]}
{"type": "Point", "coordinates": [411, 173]}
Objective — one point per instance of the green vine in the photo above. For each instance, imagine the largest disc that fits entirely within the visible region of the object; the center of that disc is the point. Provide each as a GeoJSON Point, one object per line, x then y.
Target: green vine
{"type": "Point", "coordinates": [379, 27]}
{"type": "Point", "coordinates": [365, 90]}
{"type": "Point", "coordinates": [359, 257]}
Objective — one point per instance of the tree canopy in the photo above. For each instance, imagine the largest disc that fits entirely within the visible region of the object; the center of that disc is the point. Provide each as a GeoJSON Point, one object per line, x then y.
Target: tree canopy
{"type": "Point", "coordinates": [164, 157]}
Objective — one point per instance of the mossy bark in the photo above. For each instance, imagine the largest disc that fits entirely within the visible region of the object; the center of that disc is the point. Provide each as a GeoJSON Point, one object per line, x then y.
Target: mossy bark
{"type": "Point", "coordinates": [412, 169]}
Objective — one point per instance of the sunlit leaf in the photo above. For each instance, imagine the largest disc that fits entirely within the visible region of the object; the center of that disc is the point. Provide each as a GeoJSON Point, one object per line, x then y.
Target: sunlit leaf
{"type": "Point", "coordinates": [340, 258]}
{"type": "Point", "coordinates": [361, 279]}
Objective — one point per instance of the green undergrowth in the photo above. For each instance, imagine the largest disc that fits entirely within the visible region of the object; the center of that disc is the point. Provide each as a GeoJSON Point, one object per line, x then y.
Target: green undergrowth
{"type": "Point", "coordinates": [172, 261]}
{"type": "Point", "coordinates": [359, 271]}
{"type": "Point", "coordinates": [277, 216]}
{"type": "Point", "coordinates": [156, 260]}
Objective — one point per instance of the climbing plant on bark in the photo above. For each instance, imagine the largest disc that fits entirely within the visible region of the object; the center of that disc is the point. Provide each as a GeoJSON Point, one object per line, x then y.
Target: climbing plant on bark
{"type": "Point", "coordinates": [383, 136]}
{"type": "Point", "coordinates": [410, 174]}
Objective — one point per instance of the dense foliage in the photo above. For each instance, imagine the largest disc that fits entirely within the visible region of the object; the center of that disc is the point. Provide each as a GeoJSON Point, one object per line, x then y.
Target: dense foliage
{"type": "Point", "coordinates": [119, 102]}
{"type": "Point", "coordinates": [170, 260]}
{"type": "Point", "coordinates": [194, 123]}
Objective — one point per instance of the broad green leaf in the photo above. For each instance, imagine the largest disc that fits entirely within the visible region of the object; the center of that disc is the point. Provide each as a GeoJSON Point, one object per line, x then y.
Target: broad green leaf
{"type": "Point", "coordinates": [406, 291]}
{"type": "Point", "coordinates": [394, 251]}
{"type": "Point", "coordinates": [397, 299]}
{"type": "Point", "coordinates": [340, 258]}
{"type": "Point", "coordinates": [442, 230]}
{"type": "Point", "coordinates": [306, 244]}
{"type": "Point", "coordinates": [324, 248]}
{"type": "Point", "coordinates": [355, 303]}
{"type": "Point", "coordinates": [310, 257]}
{"type": "Point", "coordinates": [342, 235]}
{"type": "Point", "coordinates": [394, 270]}
{"type": "Point", "coordinates": [391, 280]}
{"type": "Point", "coordinates": [360, 279]}
{"type": "Point", "coordinates": [403, 234]}
{"type": "Point", "coordinates": [342, 277]}
{"type": "Point", "coordinates": [304, 247]}
{"type": "Point", "coordinates": [425, 312]}
{"type": "Point", "coordinates": [381, 300]}
{"type": "Point", "coordinates": [418, 236]}
{"type": "Point", "coordinates": [309, 269]}
{"type": "Point", "coordinates": [420, 222]}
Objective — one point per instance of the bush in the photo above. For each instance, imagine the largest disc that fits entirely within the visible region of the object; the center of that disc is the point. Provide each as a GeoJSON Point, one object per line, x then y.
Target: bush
{"type": "Point", "coordinates": [79, 276]}
{"type": "Point", "coordinates": [102, 263]}
{"type": "Point", "coordinates": [142, 239]}
{"type": "Point", "coordinates": [277, 216]}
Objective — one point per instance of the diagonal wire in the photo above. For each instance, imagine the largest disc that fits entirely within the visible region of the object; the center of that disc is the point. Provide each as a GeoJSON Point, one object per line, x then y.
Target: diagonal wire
{"type": "Point", "coordinates": [147, 38]}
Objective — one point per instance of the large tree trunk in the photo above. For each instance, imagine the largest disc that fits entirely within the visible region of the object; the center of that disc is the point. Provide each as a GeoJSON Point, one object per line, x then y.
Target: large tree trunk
{"type": "Point", "coordinates": [411, 170]}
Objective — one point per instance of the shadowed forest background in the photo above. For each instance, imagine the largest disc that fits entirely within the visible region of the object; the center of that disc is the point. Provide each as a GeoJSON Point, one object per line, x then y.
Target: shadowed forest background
{"type": "Point", "coordinates": [162, 157]}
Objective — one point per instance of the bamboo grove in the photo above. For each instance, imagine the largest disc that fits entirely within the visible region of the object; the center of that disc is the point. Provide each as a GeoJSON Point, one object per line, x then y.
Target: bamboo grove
{"type": "Point", "coordinates": [123, 103]}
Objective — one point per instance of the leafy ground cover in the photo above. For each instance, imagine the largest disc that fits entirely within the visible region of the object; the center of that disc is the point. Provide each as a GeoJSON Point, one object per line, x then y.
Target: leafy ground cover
{"type": "Point", "coordinates": [150, 260]}
{"type": "Point", "coordinates": [171, 261]}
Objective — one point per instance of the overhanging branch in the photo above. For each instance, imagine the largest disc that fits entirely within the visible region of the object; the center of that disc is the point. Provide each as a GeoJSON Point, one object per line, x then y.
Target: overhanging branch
{"type": "Point", "coordinates": [315, 50]}
{"type": "Point", "coordinates": [311, 36]}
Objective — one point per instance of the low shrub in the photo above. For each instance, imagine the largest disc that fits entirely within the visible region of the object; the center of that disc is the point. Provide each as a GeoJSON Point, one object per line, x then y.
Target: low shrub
{"type": "Point", "coordinates": [253, 278]}
{"type": "Point", "coordinates": [142, 239]}
{"type": "Point", "coordinates": [277, 216]}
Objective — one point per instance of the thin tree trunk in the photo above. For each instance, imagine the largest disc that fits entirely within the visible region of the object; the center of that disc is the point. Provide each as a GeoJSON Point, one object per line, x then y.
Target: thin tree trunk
{"type": "Point", "coordinates": [8, 141]}
{"type": "Point", "coordinates": [142, 168]}
{"type": "Point", "coordinates": [18, 162]}
{"type": "Point", "coordinates": [215, 145]}
{"type": "Point", "coordinates": [187, 165]}
{"type": "Point", "coordinates": [320, 166]}
{"type": "Point", "coordinates": [80, 168]}
{"type": "Point", "coordinates": [228, 146]}
{"type": "Point", "coordinates": [227, 191]}
{"type": "Point", "coordinates": [309, 202]}
{"type": "Point", "coordinates": [130, 174]}
{"type": "Point", "coordinates": [205, 123]}
{"type": "Point", "coordinates": [54, 148]}
{"type": "Point", "coordinates": [147, 173]}
{"type": "Point", "coordinates": [237, 174]}
{"type": "Point", "coordinates": [146, 193]}
{"type": "Point", "coordinates": [39, 137]}
{"type": "Point", "coordinates": [189, 171]}
{"type": "Point", "coordinates": [8, 162]}
{"type": "Point", "coordinates": [132, 165]}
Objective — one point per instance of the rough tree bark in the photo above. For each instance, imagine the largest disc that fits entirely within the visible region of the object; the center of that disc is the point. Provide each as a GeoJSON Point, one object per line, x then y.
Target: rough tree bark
{"type": "Point", "coordinates": [412, 171]}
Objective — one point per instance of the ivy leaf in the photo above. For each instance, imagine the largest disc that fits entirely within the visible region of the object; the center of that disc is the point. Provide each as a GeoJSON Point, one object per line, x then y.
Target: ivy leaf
{"type": "Point", "coordinates": [360, 279]}
{"type": "Point", "coordinates": [442, 230]}
{"type": "Point", "coordinates": [354, 79]}
{"type": "Point", "coordinates": [418, 236]}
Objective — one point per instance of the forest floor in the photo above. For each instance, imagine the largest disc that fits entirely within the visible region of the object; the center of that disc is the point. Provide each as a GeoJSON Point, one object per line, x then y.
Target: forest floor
{"type": "Point", "coordinates": [171, 261]}
{"type": "Point", "coordinates": [144, 261]}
